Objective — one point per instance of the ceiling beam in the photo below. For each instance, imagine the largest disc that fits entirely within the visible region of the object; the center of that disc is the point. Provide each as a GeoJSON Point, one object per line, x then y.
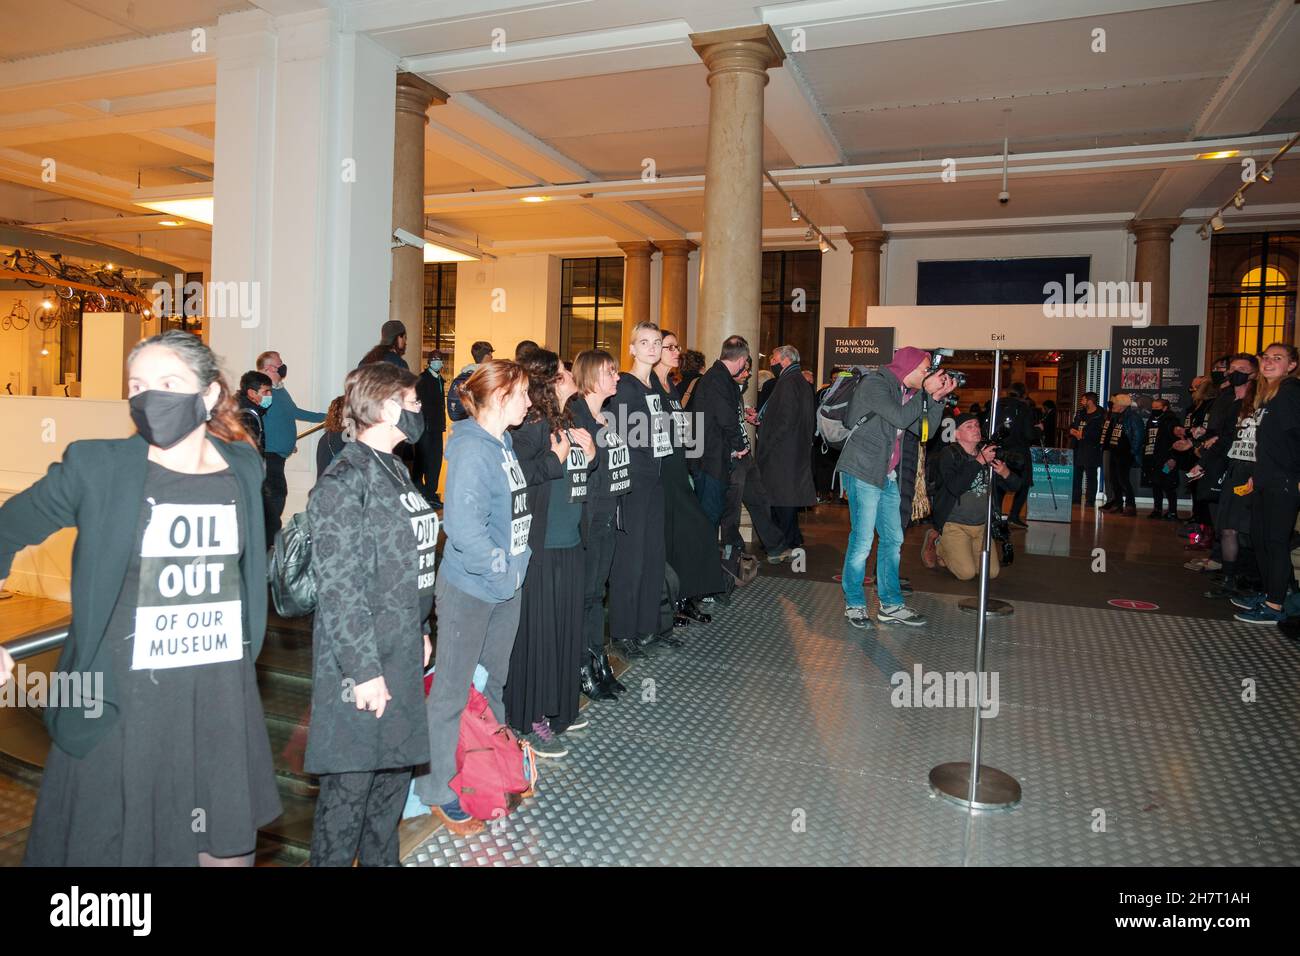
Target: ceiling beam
{"type": "Point", "coordinates": [181, 141]}
{"type": "Point", "coordinates": [25, 169]}
{"type": "Point", "coordinates": [109, 125]}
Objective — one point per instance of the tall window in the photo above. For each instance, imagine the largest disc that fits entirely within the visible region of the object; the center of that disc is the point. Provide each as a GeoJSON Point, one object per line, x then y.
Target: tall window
{"type": "Point", "coordinates": [440, 306]}
{"type": "Point", "coordinates": [591, 306]}
{"type": "Point", "coordinates": [791, 304]}
{"type": "Point", "coordinates": [1252, 299]}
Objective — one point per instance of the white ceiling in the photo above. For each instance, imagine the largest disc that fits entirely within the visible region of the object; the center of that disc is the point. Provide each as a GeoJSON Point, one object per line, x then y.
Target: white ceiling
{"type": "Point", "coordinates": [586, 90]}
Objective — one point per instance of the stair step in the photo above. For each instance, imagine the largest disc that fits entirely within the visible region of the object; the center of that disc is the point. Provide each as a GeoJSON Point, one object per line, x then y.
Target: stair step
{"type": "Point", "coordinates": [284, 695]}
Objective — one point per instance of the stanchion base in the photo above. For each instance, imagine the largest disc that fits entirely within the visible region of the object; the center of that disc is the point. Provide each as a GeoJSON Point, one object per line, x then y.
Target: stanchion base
{"type": "Point", "coordinates": [995, 791]}
{"type": "Point", "coordinates": [995, 607]}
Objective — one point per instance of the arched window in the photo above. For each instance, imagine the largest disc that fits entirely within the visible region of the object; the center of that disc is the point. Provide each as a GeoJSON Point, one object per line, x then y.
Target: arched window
{"type": "Point", "coordinates": [1261, 312]}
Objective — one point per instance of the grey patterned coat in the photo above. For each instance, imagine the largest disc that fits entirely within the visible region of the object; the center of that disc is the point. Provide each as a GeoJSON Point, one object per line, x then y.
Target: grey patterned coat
{"type": "Point", "coordinates": [367, 620]}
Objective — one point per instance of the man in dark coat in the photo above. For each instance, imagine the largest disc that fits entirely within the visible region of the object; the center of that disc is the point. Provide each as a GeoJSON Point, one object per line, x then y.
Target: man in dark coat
{"type": "Point", "coordinates": [428, 450]}
{"type": "Point", "coordinates": [725, 460]}
{"type": "Point", "coordinates": [785, 432]}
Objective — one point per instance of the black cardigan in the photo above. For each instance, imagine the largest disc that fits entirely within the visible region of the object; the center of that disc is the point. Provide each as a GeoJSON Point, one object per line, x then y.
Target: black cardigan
{"type": "Point", "coordinates": [98, 488]}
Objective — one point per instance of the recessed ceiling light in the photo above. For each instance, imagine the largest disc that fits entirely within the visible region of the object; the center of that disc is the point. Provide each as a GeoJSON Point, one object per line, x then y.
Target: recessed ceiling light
{"type": "Point", "coordinates": [170, 222]}
{"type": "Point", "coordinates": [1221, 154]}
{"type": "Point", "coordinates": [536, 199]}
{"type": "Point", "coordinates": [436, 253]}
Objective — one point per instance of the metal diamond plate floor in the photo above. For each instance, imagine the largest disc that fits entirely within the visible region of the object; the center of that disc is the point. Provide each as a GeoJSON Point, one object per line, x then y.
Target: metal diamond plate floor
{"type": "Point", "coordinates": [770, 739]}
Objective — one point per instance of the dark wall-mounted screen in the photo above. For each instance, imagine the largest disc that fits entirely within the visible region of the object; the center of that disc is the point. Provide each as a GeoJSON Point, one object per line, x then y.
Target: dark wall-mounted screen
{"type": "Point", "coordinates": [996, 281]}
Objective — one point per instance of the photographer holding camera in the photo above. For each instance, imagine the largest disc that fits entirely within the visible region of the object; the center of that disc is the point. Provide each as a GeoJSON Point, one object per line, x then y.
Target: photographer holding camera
{"type": "Point", "coordinates": [886, 412]}
{"type": "Point", "coordinates": [960, 494]}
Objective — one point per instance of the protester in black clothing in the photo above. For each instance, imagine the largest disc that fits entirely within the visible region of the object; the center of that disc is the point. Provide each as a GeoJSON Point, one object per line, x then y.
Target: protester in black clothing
{"type": "Point", "coordinates": [172, 722]}
{"type": "Point", "coordinates": [1275, 485]}
{"type": "Point", "coordinates": [1159, 467]}
{"type": "Point", "coordinates": [638, 413]}
{"type": "Point", "coordinates": [255, 398]}
{"type": "Point", "coordinates": [786, 423]}
{"type": "Point", "coordinates": [689, 537]}
{"type": "Point", "coordinates": [1227, 462]}
{"type": "Point", "coordinates": [428, 450]}
{"type": "Point", "coordinates": [542, 689]}
{"type": "Point", "coordinates": [373, 544]}
{"type": "Point", "coordinates": [1186, 439]}
{"type": "Point", "coordinates": [1014, 432]}
{"type": "Point", "coordinates": [1121, 441]}
{"type": "Point", "coordinates": [1085, 434]}
{"type": "Point", "coordinates": [1047, 424]}
{"type": "Point", "coordinates": [596, 375]}
{"type": "Point", "coordinates": [331, 438]}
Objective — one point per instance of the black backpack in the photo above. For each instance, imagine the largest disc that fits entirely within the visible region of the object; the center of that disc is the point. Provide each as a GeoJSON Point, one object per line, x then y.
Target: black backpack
{"type": "Point", "coordinates": [832, 426]}
{"type": "Point", "coordinates": [293, 586]}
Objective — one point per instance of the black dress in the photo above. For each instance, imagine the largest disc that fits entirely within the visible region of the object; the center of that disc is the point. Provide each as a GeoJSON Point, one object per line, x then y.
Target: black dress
{"type": "Point", "coordinates": [691, 541]}
{"type": "Point", "coordinates": [186, 768]}
{"type": "Point", "coordinates": [543, 681]}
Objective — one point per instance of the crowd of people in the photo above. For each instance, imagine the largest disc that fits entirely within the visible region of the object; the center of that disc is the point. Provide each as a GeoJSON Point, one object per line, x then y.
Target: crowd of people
{"type": "Point", "coordinates": [585, 510]}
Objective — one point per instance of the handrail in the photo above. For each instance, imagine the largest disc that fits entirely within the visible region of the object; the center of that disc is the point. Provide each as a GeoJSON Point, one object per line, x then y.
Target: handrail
{"type": "Point", "coordinates": [37, 642]}
{"type": "Point", "coordinates": [311, 431]}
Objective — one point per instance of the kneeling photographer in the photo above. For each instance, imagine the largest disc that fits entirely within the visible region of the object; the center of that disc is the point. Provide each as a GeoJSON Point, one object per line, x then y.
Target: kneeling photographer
{"type": "Point", "coordinates": [960, 490]}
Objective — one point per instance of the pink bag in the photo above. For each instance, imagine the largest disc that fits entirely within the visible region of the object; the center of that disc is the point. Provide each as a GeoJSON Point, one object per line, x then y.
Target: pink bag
{"type": "Point", "coordinates": [494, 769]}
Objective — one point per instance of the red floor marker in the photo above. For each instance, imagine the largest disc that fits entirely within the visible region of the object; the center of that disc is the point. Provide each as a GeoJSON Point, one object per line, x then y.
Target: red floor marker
{"type": "Point", "coordinates": [1131, 605]}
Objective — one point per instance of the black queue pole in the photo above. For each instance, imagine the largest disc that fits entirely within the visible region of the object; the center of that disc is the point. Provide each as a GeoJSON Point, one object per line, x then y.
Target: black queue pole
{"type": "Point", "coordinates": [971, 784]}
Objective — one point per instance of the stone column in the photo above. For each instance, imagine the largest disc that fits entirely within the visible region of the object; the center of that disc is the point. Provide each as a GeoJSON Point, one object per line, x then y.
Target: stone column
{"type": "Point", "coordinates": [406, 293]}
{"type": "Point", "coordinates": [672, 297]}
{"type": "Point", "coordinates": [1151, 263]}
{"type": "Point", "coordinates": [864, 290]}
{"type": "Point", "coordinates": [731, 253]}
{"type": "Point", "coordinates": [636, 293]}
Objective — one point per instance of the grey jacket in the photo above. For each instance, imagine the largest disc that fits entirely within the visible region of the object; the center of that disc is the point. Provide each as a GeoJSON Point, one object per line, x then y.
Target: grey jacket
{"type": "Point", "coordinates": [867, 452]}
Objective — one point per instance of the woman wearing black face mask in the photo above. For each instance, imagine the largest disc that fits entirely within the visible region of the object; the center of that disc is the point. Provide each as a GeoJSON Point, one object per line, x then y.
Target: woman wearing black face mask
{"type": "Point", "coordinates": [373, 541]}
{"type": "Point", "coordinates": [168, 615]}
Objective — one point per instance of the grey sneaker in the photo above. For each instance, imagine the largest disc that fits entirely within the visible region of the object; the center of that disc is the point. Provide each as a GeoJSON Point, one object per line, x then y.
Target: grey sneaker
{"type": "Point", "coordinates": [901, 614]}
{"type": "Point", "coordinates": [544, 742]}
{"type": "Point", "coordinates": [858, 617]}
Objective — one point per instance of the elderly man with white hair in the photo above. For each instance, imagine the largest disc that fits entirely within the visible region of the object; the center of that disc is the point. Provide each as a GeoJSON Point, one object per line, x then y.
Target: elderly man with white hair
{"type": "Point", "coordinates": [786, 421]}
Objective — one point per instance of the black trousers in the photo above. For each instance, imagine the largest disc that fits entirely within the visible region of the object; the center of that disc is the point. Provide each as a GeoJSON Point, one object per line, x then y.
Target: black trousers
{"type": "Point", "coordinates": [357, 816]}
{"type": "Point", "coordinates": [275, 491]}
{"type": "Point", "coordinates": [598, 558]}
{"type": "Point", "coordinates": [1119, 476]}
{"type": "Point", "coordinates": [1086, 462]}
{"type": "Point", "coordinates": [787, 521]}
{"type": "Point", "coordinates": [1272, 518]}
{"type": "Point", "coordinates": [636, 579]}
{"type": "Point", "coordinates": [747, 487]}
{"type": "Point", "coordinates": [428, 464]}
{"type": "Point", "coordinates": [1164, 487]}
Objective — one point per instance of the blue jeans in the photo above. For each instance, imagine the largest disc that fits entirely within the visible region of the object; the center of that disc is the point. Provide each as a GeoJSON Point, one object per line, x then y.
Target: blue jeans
{"type": "Point", "coordinates": [872, 511]}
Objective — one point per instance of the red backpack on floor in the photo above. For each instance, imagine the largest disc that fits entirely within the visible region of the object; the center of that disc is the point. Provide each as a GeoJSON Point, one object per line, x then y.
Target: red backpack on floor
{"type": "Point", "coordinates": [495, 770]}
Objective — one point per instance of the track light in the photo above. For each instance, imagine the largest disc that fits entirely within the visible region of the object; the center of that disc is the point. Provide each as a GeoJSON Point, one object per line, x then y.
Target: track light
{"type": "Point", "coordinates": [1266, 174]}
{"type": "Point", "coordinates": [823, 245]}
{"type": "Point", "coordinates": [1216, 222]}
{"type": "Point", "coordinates": [1238, 200]}
{"type": "Point", "coordinates": [1203, 233]}
{"type": "Point", "coordinates": [794, 213]}
{"type": "Point", "coordinates": [808, 234]}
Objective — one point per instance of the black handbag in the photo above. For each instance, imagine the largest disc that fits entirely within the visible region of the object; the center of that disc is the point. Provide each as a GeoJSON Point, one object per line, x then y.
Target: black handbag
{"type": "Point", "coordinates": [293, 586]}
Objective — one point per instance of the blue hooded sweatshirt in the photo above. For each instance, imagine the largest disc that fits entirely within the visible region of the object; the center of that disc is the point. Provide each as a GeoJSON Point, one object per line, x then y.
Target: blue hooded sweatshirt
{"type": "Point", "coordinates": [480, 505]}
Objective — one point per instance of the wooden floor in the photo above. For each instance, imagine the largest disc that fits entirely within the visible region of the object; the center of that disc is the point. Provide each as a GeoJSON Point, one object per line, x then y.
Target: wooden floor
{"type": "Point", "coordinates": [21, 614]}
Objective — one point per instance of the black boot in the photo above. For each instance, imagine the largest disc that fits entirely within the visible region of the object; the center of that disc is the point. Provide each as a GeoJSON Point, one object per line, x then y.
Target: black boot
{"type": "Point", "coordinates": [629, 648]}
{"type": "Point", "coordinates": [591, 685]}
{"type": "Point", "coordinates": [607, 678]}
{"type": "Point", "coordinates": [1226, 589]}
{"type": "Point", "coordinates": [691, 611]}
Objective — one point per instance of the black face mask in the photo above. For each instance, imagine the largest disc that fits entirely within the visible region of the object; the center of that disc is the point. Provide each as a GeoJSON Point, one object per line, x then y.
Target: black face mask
{"type": "Point", "coordinates": [282, 371]}
{"type": "Point", "coordinates": [1238, 379]}
{"type": "Point", "coordinates": [1217, 377]}
{"type": "Point", "coordinates": [411, 425]}
{"type": "Point", "coordinates": [1157, 412]}
{"type": "Point", "coordinates": [164, 418]}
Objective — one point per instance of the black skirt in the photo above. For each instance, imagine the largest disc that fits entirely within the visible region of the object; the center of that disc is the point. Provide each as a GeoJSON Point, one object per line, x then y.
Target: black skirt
{"type": "Point", "coordinates": [1234, 509]}
{"type": "Point", "coordinates": [543, 678]}
{"type": "Point", "coordinates": [691, 541]}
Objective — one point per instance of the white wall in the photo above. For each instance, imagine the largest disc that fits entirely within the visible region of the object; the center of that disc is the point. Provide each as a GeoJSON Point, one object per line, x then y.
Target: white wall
{"type": "Point", "coordinates": [22, 367]}
{"type": "Point", "coordinates": [505, 301]}
{"type": "Point", "coordinates": [34, 433]}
